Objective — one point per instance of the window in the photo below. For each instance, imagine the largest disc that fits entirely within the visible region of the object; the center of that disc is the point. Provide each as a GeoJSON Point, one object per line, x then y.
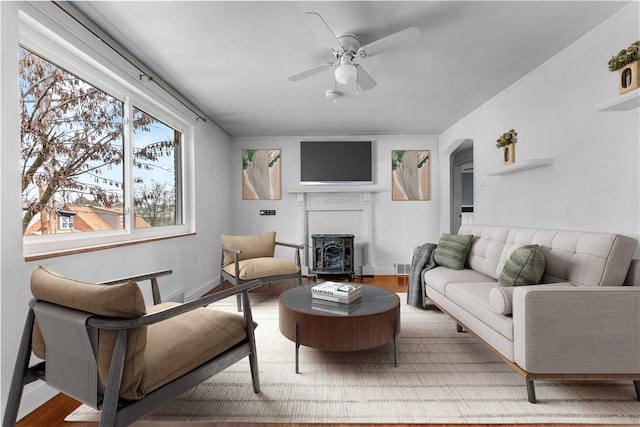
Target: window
{"type": "Point", "coordinates": [91, 163]}
{"type": "Point", "coordinates": [156, 156]}
{"type": "Point", "coordinates": [66, 222]}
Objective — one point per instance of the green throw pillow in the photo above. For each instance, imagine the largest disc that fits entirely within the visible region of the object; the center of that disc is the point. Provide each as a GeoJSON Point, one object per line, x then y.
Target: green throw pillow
{"type": "Point", "coordinates": [525, 267]}
{"type": "Point", "coordinates": [452, 250]}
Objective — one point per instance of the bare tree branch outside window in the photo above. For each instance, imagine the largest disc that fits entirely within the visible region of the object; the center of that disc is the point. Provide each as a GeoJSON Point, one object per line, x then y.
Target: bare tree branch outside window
{"type": "Point", "coordinates": [72, 151]}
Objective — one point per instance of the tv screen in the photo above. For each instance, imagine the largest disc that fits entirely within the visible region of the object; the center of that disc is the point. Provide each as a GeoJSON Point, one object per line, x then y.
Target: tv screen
{"type": "Point", "coordinates": [335, 162]}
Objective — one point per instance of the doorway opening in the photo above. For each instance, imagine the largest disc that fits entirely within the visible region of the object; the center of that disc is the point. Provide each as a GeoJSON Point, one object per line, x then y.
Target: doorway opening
{"type": "Point", "coordinates": [461, 190]}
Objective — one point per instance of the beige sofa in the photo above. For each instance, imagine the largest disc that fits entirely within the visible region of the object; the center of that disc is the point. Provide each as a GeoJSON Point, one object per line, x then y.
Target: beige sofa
{"type": "Point", "coordinates": [580, 323]}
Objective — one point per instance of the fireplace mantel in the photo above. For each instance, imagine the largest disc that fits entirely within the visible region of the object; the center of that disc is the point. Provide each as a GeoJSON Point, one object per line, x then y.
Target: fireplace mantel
{"type": "Point", "coordinates": [335, 199]}
{"type": "Point", "coordinates": [336, 189]}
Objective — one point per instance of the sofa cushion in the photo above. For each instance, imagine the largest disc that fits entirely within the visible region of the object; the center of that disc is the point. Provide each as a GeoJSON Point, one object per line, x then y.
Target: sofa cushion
{"type": "Point", "coordinates": [438, 278]}
{"type": "Point", "coordinates": [452, 250]}
{"type": "Point", "coordinates": [487, 247]}
{"type": "Point", "coordinates": [501, 298]}
{"type": "Point", "coordinates": [123, 300]}
{"type": "Point", "coordinates": [252, 246]}
{"type": "Point", "coordinates": [474, 298]}
{"type": "Point", "coordinates": [525, 267]}
{"type": "Point", "coordinates": [582, 258]}
{"type": "Point", "coordinates": [257, 268]}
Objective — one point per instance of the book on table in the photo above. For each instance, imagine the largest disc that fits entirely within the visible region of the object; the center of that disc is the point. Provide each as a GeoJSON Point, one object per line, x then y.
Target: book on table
{"type": "Point", "coordinates": [344, 293]}
{"type": "Point", "coordinates": [335, 307]}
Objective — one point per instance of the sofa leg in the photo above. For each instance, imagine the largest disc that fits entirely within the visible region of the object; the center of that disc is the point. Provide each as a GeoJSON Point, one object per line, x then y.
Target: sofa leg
{"type": "Point", "coordinates": [531, 392]}
{"type": "Point", "coordinates": [636, 384]}
{"type": "Point", "coordinates": [459, 328]}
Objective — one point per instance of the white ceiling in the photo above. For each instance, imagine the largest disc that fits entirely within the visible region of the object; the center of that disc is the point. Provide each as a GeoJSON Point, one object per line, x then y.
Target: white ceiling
{"type": "Point", "coordinates": [232, 59]}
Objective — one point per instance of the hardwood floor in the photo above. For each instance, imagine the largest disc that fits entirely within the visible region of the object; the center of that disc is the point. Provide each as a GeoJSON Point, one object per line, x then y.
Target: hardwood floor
{"type": "Point", "coordinates": [53, 412]}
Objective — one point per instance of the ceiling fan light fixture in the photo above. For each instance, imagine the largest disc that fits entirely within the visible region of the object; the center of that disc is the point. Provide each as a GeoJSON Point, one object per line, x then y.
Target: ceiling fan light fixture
{"type": "Point", "coordinates": [346, 73]}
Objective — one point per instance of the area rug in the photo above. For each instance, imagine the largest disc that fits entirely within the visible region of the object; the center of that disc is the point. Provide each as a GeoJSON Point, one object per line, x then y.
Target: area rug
{"type": "Point", "coordinates": [443, 377]}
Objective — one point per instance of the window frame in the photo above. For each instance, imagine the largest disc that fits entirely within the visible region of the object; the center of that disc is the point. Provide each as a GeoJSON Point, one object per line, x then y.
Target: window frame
{"type": "Point", "coordinates": [68, 45]}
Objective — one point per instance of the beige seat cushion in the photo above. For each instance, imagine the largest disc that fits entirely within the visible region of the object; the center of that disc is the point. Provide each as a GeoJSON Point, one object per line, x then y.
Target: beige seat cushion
{"type": "Point", "coordinates": [257, 268]}
{"type": "Point", "coordinates": [252, 246]}
{"type": "Point", "coordinates": [177, 345]}
{"type": "Point", "coordinates": [121, 300]}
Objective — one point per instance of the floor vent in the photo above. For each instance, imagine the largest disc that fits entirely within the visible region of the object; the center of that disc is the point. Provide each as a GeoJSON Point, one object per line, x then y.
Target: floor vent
{"type": "Point", "coordinates": [402, 269]}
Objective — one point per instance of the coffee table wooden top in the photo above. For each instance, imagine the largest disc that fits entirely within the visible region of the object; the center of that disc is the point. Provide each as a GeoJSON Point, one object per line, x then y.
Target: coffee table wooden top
{"type": "Point", "coordinates": [372, 321]}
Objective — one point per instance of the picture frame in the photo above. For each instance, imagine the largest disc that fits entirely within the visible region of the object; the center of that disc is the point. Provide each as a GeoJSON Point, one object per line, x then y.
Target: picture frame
{"type": "Point", "coordinates": [261, 174]}
{"type": "Point", "coordinates": [410, 175]}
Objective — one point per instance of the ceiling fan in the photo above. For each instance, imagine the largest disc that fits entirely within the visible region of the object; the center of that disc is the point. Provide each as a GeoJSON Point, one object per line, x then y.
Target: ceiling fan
{"type": "Point", "coordinates": [346, 48]}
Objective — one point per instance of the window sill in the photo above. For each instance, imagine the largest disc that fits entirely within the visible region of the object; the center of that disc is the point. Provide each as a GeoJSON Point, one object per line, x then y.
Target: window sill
{"type": "Point", "coordinates": [55, 254]}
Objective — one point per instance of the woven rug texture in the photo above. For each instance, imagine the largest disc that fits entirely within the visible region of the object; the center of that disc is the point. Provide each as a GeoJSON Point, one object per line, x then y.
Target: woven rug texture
{"type": "Point", "coordinates": [443, 377]}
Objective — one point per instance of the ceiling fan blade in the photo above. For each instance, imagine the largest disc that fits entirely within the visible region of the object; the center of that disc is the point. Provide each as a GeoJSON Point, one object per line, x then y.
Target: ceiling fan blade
{"type": "Point", "coordinates": [310, 72]}
{"type": "Point", "coordinates": [365, 81]}
{"type": "Point", "coordinates": [320, 28]}
{"type": "Point", "coordinates": [394, 41]}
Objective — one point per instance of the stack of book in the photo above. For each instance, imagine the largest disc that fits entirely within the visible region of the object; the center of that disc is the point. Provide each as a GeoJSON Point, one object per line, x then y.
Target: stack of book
{"type": "Point", "coordinates": [335, 307]}
{"type": "Point", "coordinates": [343, 293]}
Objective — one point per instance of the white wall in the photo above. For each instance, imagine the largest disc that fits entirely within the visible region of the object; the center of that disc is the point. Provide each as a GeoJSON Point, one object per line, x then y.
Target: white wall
{"type": "Point", "coordinates": [190, 275]}
{"type": "Point", "coordinates": [594, 182]}
{"type": "Point", "coordinates": [397, 226]}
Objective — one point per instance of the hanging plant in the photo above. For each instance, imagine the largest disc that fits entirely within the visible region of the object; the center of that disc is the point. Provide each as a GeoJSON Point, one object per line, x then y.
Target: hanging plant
{"type": "Point", "coordinates": [510, 137]}
{"type": "Point", "coordinates": [625, 57]}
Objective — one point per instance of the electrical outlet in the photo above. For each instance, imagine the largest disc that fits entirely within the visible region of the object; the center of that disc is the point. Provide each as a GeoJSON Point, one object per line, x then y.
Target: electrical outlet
{"type": "Point", "coordinates": [267, 212]}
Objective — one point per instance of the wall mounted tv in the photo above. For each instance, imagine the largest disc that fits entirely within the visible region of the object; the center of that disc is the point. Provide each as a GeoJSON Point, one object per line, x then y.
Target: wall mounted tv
{"type": "Point", "coordinates": [336, 163]}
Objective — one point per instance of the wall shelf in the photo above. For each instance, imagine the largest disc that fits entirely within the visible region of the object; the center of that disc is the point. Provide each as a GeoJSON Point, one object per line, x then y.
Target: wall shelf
{"type": "Point", "coordinates": [625, 102]}
{"type": "Point", "coordinates": [521, 166]}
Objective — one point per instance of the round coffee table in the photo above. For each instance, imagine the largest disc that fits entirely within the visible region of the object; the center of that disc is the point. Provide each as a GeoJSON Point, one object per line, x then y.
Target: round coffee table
{"type": "Point", "coordinates": [370, 322]}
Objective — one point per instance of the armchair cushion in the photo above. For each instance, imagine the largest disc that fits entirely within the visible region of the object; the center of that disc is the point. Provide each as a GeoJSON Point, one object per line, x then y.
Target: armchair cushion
{"type": "Point", "coordinates": [179, 344]}
{"type": "Point", "coordinates": [252, 246]}
{"type": "Point", "coordinates": [121, 300]}
{"type": "Point", "coordinates": [257, 268]}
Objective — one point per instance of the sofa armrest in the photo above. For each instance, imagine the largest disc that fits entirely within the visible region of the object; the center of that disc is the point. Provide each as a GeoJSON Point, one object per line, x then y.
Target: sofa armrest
{"type": "Point", "coordinates": [577, 330]}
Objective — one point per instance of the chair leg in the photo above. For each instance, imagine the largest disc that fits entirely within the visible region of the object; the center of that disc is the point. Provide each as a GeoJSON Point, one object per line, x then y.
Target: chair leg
{"type": "Point", "coordinates": [111, 395]}
{"type": "Point", "coordinates": [19, 373]}
{"type": "Point", "coordinates": [253, 357]}
{"type": "Point", "coordinates": [239, 300]}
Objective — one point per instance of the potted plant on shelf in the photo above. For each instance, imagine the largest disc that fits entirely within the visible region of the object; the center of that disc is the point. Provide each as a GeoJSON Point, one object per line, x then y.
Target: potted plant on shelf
{"type": "Point", "coordinates": [507, 142]}
{"type": "Point", "coordinates": [627, 64]}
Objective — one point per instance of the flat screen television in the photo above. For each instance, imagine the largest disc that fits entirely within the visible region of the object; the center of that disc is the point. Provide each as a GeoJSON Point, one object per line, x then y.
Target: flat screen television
{"type": "Point", "coordinates": [336, 163]}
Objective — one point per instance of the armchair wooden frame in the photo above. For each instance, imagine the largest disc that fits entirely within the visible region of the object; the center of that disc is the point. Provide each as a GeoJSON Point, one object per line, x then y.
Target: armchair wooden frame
{"type": "Point", "coordinates": [116, 411]}
{"type": "Point", "coordinates": [237, 281]}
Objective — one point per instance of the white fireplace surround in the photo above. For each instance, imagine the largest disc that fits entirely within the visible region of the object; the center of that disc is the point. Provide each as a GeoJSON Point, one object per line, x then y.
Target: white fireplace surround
{"type": "Point", "coordinates": [331, 200]}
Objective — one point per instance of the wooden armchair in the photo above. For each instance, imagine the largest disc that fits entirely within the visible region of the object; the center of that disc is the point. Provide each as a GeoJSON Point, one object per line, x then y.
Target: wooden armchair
{"type": "Point", "coordinates": [251, 257]}
{"type": "Point", "coordinates": [102, 347]}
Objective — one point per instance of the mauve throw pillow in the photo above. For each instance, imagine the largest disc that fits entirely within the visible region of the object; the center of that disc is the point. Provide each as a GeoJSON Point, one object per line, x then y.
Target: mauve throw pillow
{"type": "Point", "coordinates": [452, 250]}
{"type": "Point", "coordinates": [525, 267]}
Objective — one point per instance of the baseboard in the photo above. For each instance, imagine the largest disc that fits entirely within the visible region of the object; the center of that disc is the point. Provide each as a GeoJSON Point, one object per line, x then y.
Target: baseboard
{"type": "Point", "coordinates": [175, 297]}
{"type": "Point", "coordinates": [35, 395]}
{"type": "Point", "coordinates": [201, 290]}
